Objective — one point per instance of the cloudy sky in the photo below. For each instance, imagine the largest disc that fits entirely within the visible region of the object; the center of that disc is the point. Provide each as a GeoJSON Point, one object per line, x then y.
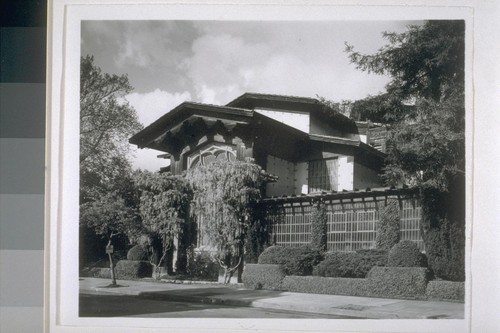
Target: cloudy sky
{"type": "Point", "coordinates": [169, 62]}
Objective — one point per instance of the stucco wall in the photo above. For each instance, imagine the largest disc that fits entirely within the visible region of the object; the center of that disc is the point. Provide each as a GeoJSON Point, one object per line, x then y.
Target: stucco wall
{"type": "Point", "coordinates": [298, 120]}
{"type": "Point", "coordinates": [346, 173]}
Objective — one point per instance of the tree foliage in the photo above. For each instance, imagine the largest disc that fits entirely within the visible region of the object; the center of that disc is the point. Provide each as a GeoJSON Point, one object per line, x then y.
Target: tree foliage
{"type": "Point", "coordinates": [224, 197]}
{"type": "Point", "coordinates": [425, 61]}
{"type": "Point", "coordinates": [163, 207]}
{"type": "Point", "coordinates": [110, 215]}
{"type": "Point", "coordinates": [424, 102]}
{"type": "Point", "coordinates": [426, 144]}
{"type": "Point", "coordinates": [106, 123]}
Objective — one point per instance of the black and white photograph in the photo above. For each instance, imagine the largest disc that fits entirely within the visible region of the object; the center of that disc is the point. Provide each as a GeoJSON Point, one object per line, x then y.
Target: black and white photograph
{"type": "Point", "coordinates": [281, 169]}
{"type": "Point", "coordinates": [278, 169]}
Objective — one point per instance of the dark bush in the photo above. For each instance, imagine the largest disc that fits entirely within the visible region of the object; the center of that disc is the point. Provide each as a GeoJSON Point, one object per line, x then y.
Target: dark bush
{"type": "Point", "coordinates": [138, 252]}
{"type": "Point", "coordinates": [295, 261]}
{"type": "Point", "coordinates": [445, 248]}
{"type": "Point", "coordinates": [201, 265]}
{"type": "Point", "coordinates": [257, 238]}
{"type": "Point", "coordinates": [446, 291]}
{"type": "Point", "coordinates": [389, 225]}
{"type": "Point", "coordinates": [97, 272]}
{"type": "Point", "coordinates": [263, 276]}
{"type": "Point", "coordinates": [406, 254]}
{"type": "Point", "coordinates": [350, 264]}
{"type": "Point", "coordinates": [404, 282]}
{"type": "Point", "coordinates": [133, 269]}
{"type": "Point", "coordinates": [318, 227]}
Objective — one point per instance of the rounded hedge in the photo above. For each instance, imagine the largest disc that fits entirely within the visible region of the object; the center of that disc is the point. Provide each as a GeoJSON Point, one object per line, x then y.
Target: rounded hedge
{"type": "Point", "coordinates": [294, 261]}
{"type": "Point", "coordinates": [406, 254]}
{"type": "Point", "coordinates": [137, 253]}
{"type": "Point", "coordinates": [350, 264]}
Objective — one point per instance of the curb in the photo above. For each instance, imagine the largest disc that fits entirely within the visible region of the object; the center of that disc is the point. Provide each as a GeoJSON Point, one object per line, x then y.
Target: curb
{"type": "Point", "coordinates": [354, 310]}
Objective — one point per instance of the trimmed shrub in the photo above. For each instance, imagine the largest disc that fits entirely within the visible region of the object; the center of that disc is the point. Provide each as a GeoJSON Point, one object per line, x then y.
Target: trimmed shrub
{"type": "Point", "coordinates": [406, 254]}
{"type": "Point", "coordinates": [137, 252]}
{"type": "Point", "coordinates": [318, 227]}
{"type": "Point", "coordinates": [404, 282]}
{"type": "Point", "coordinates": [388, 282]}
{"type": "Point", "coordinates": [389, 225]}
{"type": "Point", "coordinates": [202, 265]}
{"type": "Point", "coordinates": [446, 290]}
{"type": "Point", "coordinates": [351, 264]}
{"type": "Point", "coordinates": [263, 276]}
{"type": "Point", "coordinates": [133, 269]}
{"type": "Point", "coordinates": [445, 249]}
{"type": "Point", "coordinates": [97, 272]}
{"type": "Point", "coordinates": [324, 285]}
{"type": "Point", "coordinates": [295, 260]}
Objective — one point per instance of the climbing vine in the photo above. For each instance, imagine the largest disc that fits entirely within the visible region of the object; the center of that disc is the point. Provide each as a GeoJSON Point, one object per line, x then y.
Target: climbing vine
{"type": "Point", "coordinates": [224, 196]}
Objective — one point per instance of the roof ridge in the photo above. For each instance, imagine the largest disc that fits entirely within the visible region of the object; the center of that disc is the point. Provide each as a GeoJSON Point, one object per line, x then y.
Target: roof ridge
{"type": "Point", "coordinates": [256, 95]}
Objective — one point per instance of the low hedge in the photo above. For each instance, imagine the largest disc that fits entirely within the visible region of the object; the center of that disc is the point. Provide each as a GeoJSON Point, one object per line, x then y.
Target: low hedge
{"type": "Point", "coordinates": [263, 276]}
{"type": "Point", "coordinates": [446, 290]}
{"type": "Point", "coordinates": [133, 269]}
{"type": "Point", "coordinates": [389, 282]}
{"type": "Point", "coordinates": [398, 281]}
{"type": "Point", "coordinates": [326, 285]}
{"type": "Point", "coordinates": [406, 254]}
{"type": "Point", "coordinates": [350, 264]}
{"type": "Point", "coordinates": [97, 272]}
{"type": "Point", "coordinates": [294, 261]}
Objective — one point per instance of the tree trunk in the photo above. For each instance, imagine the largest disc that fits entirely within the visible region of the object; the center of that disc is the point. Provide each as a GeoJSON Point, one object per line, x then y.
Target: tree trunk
{"type": "Point", "coordinates": [111, 264]}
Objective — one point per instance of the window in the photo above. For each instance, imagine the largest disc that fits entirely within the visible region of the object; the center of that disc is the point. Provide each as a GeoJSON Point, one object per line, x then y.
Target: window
{"type": "Point", "coordinates": [210, 154]}
{"type": "Point", "coordinates": [323, 175]}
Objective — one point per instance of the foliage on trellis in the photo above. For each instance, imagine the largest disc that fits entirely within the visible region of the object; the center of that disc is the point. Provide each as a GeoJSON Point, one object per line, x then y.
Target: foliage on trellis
{"type": "Point", "coordinates": [389, 226]}
{"type": "Point", "coordinates": [164, 206]}
{"type": "Point", "coordinates": [225, 193]}
{"type": "Point", "coordinates": [319, 227]}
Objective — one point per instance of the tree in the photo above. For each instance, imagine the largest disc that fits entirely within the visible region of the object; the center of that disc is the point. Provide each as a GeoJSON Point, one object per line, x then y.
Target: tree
{"type": "Point", "coordinates": [106, 123]}
{"type": "Point", "coordinates": [225, 194]}
{"type": "Point", "coordinates": [426, 145]}
{"type": "Point", "coordinates": [110, 216]}
{"type": "Point", "coordinates": [108, 199]}
{"type": "Point", "coordinates": [164, 208]}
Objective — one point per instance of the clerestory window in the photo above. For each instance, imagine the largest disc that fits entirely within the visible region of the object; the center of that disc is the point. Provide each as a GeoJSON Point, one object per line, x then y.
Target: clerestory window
{"type": "Point", "coordinates": [323, 175]}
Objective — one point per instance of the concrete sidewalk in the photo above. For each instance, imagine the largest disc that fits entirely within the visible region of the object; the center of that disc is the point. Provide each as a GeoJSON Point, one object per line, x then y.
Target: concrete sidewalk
{"type": "Point", "coordinates": [361, 307]}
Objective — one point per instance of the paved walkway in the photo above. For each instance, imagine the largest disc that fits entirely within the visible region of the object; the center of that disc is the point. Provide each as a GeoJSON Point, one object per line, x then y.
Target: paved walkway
{"type": "Point", "coordinates": [361, 307]}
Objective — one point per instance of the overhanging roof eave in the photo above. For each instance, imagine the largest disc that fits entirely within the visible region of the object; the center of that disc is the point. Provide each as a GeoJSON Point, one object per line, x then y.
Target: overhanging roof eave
{"type": "Point", "coordinates": [183, 112]}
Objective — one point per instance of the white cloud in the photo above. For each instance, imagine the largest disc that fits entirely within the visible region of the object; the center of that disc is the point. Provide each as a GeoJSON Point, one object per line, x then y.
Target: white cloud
{"type": "Point", "coordinates": [152, 105]}
{"type": "Point", "coordinates": [223, 67]}
{"type": "Point", "coordinates": [149, 107]}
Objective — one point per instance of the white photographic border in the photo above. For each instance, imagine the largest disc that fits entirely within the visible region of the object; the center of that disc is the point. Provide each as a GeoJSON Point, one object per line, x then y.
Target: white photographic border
{"type": "Point", "coordinates": [62, 175]}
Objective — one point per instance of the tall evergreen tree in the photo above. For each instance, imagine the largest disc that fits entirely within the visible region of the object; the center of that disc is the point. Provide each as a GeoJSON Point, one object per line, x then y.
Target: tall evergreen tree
{"type": "Point", "coordinates": [424, 107]}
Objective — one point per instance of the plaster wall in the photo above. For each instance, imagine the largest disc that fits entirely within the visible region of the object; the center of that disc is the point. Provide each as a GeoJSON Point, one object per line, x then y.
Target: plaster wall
{"type": "Point", "coordinates": [298, 120]}
{"type": "Point", "coordinates": [346, 173]}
